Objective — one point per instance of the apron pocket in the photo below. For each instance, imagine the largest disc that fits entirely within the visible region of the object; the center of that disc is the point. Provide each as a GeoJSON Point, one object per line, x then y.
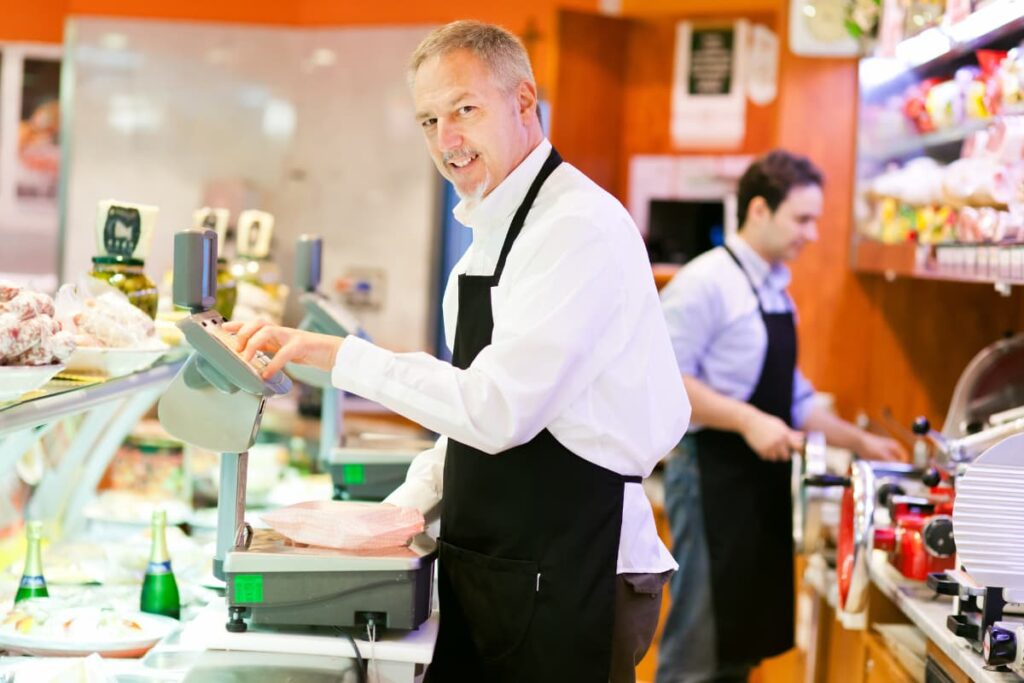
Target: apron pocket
{"type": "Point", "coordinates": [496, 596]}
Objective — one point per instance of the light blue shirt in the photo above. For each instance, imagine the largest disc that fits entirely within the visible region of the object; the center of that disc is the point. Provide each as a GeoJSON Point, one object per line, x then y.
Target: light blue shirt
{"type": "Point", "coordinates": [715, 325]}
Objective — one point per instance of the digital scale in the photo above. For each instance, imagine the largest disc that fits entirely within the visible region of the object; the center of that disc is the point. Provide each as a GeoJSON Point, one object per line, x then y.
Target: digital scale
{"type": "Point", "coordinates": [216, 402]}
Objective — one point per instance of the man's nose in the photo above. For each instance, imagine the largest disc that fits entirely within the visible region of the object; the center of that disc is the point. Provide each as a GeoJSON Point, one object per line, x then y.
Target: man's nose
{"type": "Point", "coordinates": [449, 136]}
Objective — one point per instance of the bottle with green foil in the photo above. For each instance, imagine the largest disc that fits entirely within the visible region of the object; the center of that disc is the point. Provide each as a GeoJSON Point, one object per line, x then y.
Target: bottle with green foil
{"type": "Point", "coordinates": [159, 589]}
{"type": "Point", "coordinates": [32, 585]}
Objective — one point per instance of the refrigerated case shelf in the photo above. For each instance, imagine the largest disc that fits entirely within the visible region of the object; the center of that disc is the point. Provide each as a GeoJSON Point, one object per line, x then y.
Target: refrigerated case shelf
{"type": "Point", "coordinates": [920, 261]}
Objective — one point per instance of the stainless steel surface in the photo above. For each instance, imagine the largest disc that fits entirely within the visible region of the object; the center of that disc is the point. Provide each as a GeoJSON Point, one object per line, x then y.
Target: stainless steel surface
{"type": "Point", "coordinates": [216, 666]}
{"type": "Point", "coordinates": [993, 382]}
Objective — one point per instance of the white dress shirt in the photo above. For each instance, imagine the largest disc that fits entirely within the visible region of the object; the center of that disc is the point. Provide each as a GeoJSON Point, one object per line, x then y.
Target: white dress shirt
{"type": "Point", "coordinates": [579, 347]}
{"type": "Point", "coordinates": [716, 327]}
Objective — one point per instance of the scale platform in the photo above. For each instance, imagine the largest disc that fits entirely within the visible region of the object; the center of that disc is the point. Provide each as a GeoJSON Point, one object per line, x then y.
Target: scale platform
{"type": "Point", "coordinates": [279, 583]}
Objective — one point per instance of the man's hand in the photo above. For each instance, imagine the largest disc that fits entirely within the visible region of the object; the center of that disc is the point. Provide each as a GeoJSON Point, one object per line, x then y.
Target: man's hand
{"type": "Point", "coordinates": [771, 438]}
{"type": "Point", "coordinates": [286, 344]}
{"type": "Point", "coordinates": [874, 447]}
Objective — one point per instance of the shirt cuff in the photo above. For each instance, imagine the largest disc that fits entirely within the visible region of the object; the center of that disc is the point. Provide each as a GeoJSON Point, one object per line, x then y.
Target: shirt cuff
{"type": "Point", "coordinates": [416, 495]}
{"type": "Point", "coordinates": [802, 409]}
{"type": "Point", "coordinates": [359, 367]}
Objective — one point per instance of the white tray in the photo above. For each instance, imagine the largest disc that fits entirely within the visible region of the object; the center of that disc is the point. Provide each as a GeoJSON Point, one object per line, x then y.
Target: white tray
{"type": "Point", "coordinates": [154, 628]}
{"type": "Point", "coordinates": [90, 360]}
{"type": "Point", "coordinates": [16, 380]}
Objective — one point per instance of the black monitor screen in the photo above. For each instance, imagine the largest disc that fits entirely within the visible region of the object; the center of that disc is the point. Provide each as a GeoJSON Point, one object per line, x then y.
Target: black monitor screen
{"type": "Point", "coordinates": [678, 231]}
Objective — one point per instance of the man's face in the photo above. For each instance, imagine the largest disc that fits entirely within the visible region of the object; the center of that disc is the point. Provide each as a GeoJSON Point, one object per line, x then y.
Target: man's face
{"type": "Point", "coordinates": [793, 224]}
{"type": "Point", "coordinates": [476, 130]}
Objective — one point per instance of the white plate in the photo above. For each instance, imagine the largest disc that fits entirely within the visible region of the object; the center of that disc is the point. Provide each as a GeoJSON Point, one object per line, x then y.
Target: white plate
{"type": "Point", "coordinates": [154, 628]}
{"type": "Point", "coordinates": [16, 380]}
{"type": "Point", "coordinates": [92, 360]}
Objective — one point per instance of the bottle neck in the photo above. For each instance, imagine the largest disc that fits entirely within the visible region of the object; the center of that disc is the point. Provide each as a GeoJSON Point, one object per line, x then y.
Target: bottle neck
{"type": "Point", "coordinates": [158, 551]}
{"type": "Point", "coordinates": [33, 558]}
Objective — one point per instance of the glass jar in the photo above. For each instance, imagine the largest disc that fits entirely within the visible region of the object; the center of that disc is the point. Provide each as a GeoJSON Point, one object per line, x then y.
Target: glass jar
{"type": "Point", "coordinates": [125, 274]}
{"type": "Point", "coordinates": [227, 290]}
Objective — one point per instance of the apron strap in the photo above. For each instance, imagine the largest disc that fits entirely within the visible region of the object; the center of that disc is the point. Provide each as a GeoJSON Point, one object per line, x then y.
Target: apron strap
{"type": "Point", "coordinates": [743, 270]}
{"type": "Point", "coordinates": [550, 164]}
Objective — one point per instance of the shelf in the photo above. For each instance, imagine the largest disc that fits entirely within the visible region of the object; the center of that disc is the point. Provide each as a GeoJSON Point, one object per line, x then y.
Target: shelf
{"type": "Point", "coordinates": [939, 47]}
{"type": "Point", "coordinates": [912, 145]}
{"type": "Point", "coordinates": [922, 262]}
{"type": "Point", "coordinates": [31, 413]}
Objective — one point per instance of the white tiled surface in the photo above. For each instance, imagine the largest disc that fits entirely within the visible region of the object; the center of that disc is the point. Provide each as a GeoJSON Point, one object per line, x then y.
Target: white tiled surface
{"type": "Point", "coordinates": [316, 124]}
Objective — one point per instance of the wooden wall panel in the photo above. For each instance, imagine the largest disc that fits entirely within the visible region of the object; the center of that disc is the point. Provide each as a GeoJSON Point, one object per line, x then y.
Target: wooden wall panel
{"type": "Point", "coordinates": [587, 109]}
{"type": "Point", "coordinates": [650, 58]}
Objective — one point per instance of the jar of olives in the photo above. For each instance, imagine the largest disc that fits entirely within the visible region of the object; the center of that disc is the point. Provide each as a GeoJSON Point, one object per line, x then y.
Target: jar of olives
{"type": "Point", "coordinates": [126, 274]}
{"type": "Point", "coordinates": [227, 290]}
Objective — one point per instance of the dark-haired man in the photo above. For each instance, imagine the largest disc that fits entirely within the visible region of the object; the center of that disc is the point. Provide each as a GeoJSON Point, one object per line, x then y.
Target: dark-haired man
{"type": "Point", "coordinates": [727, 486]}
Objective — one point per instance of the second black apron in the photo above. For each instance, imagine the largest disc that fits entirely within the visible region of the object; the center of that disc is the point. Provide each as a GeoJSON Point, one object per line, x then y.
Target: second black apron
{"type": "Point", "coordinates": [529, 538]}
{"type": "Point", "coordinates": [748, 520]}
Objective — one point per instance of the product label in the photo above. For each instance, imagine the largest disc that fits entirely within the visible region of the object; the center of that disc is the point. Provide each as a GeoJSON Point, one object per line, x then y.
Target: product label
{"type": "Point", "coordinates": [354, 474]}
{"type": "Point", "coordinates": [32, 582]}
{"type": "Point", "coordinates": [122, 230]}
{"type": "Point", "coordinates": [159, 567]}
{"type": "Point", "coordinates": [249, 588]}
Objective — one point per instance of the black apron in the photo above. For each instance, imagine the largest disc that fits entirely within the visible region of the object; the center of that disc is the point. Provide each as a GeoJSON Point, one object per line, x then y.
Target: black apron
{"type": "Point", "coordinates": [748, 519]}
{"type": "Point", "coordinates": [529, 539]}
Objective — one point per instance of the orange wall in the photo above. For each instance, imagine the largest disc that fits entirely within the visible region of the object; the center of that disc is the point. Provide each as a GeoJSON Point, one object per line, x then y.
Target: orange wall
{"type": "Point", "coordinates": [43, 20]}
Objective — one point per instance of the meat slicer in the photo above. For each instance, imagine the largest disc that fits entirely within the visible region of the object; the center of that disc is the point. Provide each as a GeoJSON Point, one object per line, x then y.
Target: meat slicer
{"type": "Point", "coordinates": [989, 586]}
{"type": "Point", "coordinates": [906, 510]}
{"type": "Point", "coordinates": [216, 402]}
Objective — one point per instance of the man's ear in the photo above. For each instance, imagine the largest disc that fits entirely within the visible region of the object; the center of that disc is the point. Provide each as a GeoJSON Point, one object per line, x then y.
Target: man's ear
{"type": "Point", "coordinates": [526, 98]}
{"type": "Point", "coordinates": [758, 209]}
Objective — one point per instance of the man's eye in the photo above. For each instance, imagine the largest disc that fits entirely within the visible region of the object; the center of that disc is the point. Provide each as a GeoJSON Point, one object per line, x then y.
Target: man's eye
{"type": "Point", "coordinates": [466, 109]}
{"type": "Point", "coordinates": [428, 123]}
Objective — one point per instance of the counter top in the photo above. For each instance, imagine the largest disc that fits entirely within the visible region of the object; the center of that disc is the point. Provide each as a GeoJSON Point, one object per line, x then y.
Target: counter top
{"type": "Point", "coordinates": [207, 632]}
{"type": "Point", "coordinates": [929, 614]}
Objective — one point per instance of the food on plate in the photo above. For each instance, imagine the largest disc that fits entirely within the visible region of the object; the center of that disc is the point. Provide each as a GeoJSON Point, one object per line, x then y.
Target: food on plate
{"type": "Point", "coordinates": [111, 321]}
{"type": "Point", "coordinates": [45, 618]}
{"type": "Point", "coordinates": [29, 334]}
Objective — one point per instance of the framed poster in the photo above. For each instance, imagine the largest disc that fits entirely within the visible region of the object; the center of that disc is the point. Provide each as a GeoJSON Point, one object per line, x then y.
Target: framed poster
{"type": "Point", "coordinates": [709, 86]}
{"type": "Point", "coordinates": [37, 163]}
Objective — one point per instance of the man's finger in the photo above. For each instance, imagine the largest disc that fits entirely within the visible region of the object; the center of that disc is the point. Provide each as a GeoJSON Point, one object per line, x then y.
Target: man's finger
{"type": "Point", "coordinates": [258, 342]}
{"type": "Point", "coordinates": [246, 331]}
{"type": "Point", "coordinates": [280, 359]}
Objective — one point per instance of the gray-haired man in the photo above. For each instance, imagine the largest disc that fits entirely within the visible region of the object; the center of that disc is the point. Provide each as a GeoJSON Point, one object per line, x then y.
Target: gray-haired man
{"type": "Point", "coordinates": [562, 394]}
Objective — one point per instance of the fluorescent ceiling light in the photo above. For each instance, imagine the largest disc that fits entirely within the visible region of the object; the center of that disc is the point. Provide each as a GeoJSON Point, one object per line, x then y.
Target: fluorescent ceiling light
{"type": "Point", "coordinates": [114, 41]}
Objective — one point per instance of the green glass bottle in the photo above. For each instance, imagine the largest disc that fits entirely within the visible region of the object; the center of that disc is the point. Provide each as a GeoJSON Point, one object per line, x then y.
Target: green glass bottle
{"type": "Point", "coordinates": [32, 585]}
{"type": "Point", "coordinates": [159, 589]}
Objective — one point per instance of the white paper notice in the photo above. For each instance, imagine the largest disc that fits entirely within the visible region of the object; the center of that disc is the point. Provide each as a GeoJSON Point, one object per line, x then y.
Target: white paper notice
{"type": "Point", "coordinates": [762, 65]}
{"type": "Point", "coordinates": [708, 85]}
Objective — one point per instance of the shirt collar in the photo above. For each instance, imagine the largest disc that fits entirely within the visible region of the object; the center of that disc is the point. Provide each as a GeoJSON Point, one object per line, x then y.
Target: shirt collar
{"type": "Point", "coordinates": [497, 208]}
{"type": "Point", "coordinates": [774, 276]}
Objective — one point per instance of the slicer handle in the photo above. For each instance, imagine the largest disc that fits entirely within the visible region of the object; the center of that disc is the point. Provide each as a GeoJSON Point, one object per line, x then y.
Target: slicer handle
{"type": "Point", "coordinates": [826, 481]}
{"type": "Point", "coordinates": [962, 628]}
{"type": "Point", "coordinates": [922, 426]}
{"type": "Point", "coordinates": [942, 584]}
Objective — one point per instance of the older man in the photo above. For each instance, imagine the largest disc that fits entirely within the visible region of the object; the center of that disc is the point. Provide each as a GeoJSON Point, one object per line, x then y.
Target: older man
{"type": "Point", "coordinates": [562, 394]}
